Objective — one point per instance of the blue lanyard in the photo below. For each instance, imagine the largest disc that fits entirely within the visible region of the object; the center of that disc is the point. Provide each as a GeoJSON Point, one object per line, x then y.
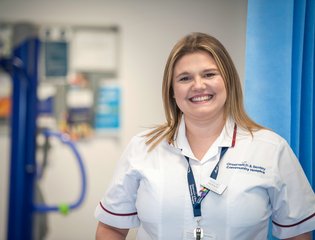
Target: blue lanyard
{"type": "Point", "coordinates": [195, 198]}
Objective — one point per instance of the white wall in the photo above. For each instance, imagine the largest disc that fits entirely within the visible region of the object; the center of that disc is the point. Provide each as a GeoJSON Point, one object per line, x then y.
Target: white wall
{"type": "Point", "coordinates": [148, 29]}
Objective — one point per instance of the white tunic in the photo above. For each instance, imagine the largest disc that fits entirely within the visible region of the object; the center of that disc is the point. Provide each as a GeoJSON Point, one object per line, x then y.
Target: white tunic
{"type": "Point", "coordinates": [264, 181]}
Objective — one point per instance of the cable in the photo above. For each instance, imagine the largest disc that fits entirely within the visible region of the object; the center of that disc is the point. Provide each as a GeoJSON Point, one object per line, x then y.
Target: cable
{"type": "Point", "coordinates": [65, 208]}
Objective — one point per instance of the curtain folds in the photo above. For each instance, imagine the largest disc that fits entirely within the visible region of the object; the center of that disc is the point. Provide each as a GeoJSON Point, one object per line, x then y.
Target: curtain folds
{"type": "Point", "coordinates": [303, 76]}
{"type": "Point", "coordinates": [280, 64]}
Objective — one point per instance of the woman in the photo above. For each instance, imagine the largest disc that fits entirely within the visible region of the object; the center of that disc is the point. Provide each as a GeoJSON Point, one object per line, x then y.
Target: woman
{"type": "Point", "coordinates": [209, 172]}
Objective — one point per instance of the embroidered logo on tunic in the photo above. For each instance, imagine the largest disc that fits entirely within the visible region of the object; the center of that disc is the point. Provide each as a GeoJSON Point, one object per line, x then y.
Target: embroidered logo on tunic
{"type": "Point", "coordinates": [246, 167]}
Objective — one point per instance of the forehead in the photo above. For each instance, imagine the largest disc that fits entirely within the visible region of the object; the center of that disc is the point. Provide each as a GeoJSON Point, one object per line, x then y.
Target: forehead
{"type": "Point", "coordinates": [196, 59]}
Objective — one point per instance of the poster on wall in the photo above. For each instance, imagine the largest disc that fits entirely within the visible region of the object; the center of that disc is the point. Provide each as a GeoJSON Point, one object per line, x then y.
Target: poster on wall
{"type": "Point", "coordinates": [94, 49]}
{"type": "Point", "coordinates": [56, 59]}
{"type": "Point", "coordinates": [108, 105]}
{"type": "Point", "coordinates": [55, 42]}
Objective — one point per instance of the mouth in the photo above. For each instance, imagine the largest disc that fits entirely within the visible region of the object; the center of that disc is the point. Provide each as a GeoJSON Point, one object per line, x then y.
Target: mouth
{"type": "Point", "coordinates": [203, 98]}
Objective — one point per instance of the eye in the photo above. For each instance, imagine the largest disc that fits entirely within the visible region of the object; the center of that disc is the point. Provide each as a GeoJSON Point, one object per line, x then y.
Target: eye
{"type": "Point", "coordinates": [210, 74]}
{"type": "Point", "coordinates": [184, 78]}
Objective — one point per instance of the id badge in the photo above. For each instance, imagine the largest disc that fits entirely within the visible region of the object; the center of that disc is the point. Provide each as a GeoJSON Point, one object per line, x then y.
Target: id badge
{"type": "Point", "coordinates": [190, 235]}
{"type": "Point", "coordinates": [214, 186]}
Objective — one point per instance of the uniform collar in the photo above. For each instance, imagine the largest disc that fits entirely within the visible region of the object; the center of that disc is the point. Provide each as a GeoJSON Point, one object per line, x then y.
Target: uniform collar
{"type": "Point", "coordinates": [226, 138]}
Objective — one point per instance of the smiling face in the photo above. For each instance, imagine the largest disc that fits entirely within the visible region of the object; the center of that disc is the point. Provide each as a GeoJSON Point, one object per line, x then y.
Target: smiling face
{"type": "Point", "coordinates": [199, 89]}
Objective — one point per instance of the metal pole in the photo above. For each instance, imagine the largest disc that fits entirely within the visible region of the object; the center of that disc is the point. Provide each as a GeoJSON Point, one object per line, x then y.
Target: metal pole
{"type": "Point", "coordinates": [23, 131]}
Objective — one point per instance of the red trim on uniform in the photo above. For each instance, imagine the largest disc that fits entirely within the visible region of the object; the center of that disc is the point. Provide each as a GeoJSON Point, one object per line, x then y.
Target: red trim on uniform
{"type": "Point", "coordinates": [295, 224]}
{"type": "Point", "coordinates": [117, 214]}
{"type": "Point", "coordinates": [234, 135]}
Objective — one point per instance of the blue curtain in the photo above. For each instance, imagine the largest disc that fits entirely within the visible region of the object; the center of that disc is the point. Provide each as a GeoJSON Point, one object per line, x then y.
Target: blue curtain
{"type": "Point", "coordinates": [280, 63]}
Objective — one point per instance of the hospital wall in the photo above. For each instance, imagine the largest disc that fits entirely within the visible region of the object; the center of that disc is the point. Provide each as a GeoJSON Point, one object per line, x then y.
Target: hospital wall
{"type": "Point", "coordinates": [148, 30]}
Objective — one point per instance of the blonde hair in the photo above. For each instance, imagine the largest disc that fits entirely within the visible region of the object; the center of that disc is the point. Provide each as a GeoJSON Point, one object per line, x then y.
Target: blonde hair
{"type": "Point", "coordinates": [234, 106]}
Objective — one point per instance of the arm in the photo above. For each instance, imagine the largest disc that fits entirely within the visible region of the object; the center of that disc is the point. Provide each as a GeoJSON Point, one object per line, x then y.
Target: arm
{"type": "Point", "coordinates": [304, 236]}
{"type": "Point", "coordinates": [106, 232]}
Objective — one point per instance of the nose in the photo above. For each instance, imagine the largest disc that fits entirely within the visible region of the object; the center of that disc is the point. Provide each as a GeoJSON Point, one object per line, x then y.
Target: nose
{"type": "Point", "coordinates": [198, 84]}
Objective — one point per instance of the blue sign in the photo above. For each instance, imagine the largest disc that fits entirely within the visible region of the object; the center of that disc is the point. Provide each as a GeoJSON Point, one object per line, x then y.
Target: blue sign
{"type": "Point", "coordinates": [107, 115]}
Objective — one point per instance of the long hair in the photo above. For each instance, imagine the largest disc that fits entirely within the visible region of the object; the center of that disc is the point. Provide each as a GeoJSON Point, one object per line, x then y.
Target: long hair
{"type": "Point", "coordinates": [234, 106]}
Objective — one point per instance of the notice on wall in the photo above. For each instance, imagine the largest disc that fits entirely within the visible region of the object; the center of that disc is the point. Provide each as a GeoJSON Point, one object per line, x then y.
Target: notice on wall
{"type": "Point", "coordinates": [56, 59]}
{"type": "Point", "coordinates": [94, 50]}
{"type": "Point", "coordinates": [108, 104]}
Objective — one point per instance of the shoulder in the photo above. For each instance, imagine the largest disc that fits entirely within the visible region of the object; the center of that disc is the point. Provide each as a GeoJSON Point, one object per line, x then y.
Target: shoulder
{"type": "Point", "coordinates": [271, 151]}
{"type": "Point", "coordinates": [268, 136]}
{"type": "Point", "coordinates": [262, 136]}
{"type": "Point", "coordinates": [137, 142]}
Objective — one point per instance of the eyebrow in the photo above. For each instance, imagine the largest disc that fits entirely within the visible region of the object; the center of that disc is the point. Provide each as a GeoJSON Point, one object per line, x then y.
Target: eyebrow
{"type": "Point", "coordinates": [182, 74]}
{"type": "Point", "coordinates": [211, 69]}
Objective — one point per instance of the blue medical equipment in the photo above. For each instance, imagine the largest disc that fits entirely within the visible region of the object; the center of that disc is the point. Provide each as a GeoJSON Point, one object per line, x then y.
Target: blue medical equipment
{"type": "Point", "coordinates": [23, 67]}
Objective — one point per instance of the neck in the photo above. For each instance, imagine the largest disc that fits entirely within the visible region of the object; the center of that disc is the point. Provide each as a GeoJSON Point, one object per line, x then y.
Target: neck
{"type": "Point", "coordinates": [201, 134]}
{"type": "Point", "coordinates": [204, 128]}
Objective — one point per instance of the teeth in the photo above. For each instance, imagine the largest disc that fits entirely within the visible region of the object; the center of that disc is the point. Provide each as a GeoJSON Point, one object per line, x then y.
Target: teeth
{"type": "Point", "coordinates": [201, 98]}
